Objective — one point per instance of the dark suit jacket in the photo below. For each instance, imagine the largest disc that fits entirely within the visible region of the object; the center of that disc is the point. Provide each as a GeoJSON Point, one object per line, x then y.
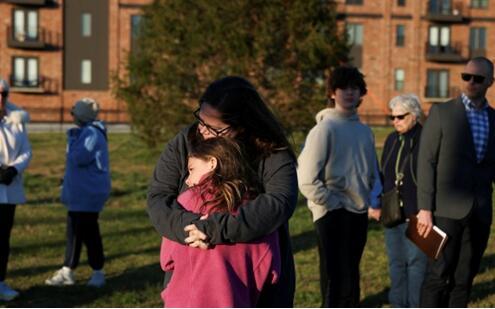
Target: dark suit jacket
{"type": "Point", "coordinates": [449, 178]}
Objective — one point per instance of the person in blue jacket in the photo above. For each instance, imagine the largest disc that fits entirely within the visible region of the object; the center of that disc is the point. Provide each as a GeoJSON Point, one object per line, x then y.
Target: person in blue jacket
{"type": "Point", "coordinates": [86, 187]}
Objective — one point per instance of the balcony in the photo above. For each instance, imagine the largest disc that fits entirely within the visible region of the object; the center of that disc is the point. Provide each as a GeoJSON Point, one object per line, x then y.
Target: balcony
{"type": "Point", "coordinates": [449, 53]}
{"type": "Point", "coordinates": [42, 85]}
{"type": "Point", "coordinates": [45, 39]}
{"type": "Point", "coordinates": [444, 11]}
{"type": "Point", "coordinates": [33, 2]}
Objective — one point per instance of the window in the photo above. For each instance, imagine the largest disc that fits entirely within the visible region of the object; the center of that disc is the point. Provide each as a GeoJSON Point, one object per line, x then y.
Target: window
{"type": "Point", "coordinates": [437, 84]}
{"type": "Point", "coordinates": [401, 2]}
{"type": "Point", "coordinates": [439, 39]}
{"type": "Point", "coordinates": [479, 4]}
{"type": "Point", "coordinates": [25, 72]}
{"type": "Point", "coordinates": [136, 21]}
{"type": "Point", "coordinates": [86, 25]}
{"type": "Point", "coordinates": [399, 79]}
{"type": "Point", "coordinates": [355, 34]}
{"type": "Point", "coordinates": [86, 75]}
{"type": "Point", "coordinates": [477, 38]}
{"type": "Point", "coordinates": [443, 7]}
{"type": "Point", "coordinates": [359, 2]}
{"type": "Point", "coordinates": [25, 25]}
{"type": "Point", "coordinates": [399, 35]}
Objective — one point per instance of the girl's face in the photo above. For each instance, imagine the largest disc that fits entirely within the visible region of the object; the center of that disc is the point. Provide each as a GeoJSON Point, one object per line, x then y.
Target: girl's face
{"type": "Point", "coordinates": [211, 124]}
{"type": "Point", "coordinates": [198, 168]}
{"type": "Point", "coordinates": [347, 99]}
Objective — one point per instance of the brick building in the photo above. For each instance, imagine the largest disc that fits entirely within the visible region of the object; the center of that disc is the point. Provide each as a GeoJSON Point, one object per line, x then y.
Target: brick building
{"type": "Point", "coordinates": [56, 51]}
{"type": "Point", "coordinates": [53, 52]}
{"type": "Point", "coordinates": [416, 46]}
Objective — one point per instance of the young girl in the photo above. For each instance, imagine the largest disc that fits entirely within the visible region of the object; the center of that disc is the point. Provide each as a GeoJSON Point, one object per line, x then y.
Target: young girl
{"type": "Point", "coordinates": [224, 275]}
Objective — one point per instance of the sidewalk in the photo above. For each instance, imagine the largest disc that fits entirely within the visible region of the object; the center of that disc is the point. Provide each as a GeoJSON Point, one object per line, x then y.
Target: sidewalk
{"type": "Point", "coordinates": [58, 127]}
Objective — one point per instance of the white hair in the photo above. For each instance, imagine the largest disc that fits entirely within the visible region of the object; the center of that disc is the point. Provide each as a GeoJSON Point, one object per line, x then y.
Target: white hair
{"type": "Point", "coordinates": [409, 102]}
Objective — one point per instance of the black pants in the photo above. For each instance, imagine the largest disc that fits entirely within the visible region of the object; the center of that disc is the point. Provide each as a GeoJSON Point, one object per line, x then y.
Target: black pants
{"type": "Point", "coordinates": [7, 213]}
{"type": "Point", "coordinates": [82, 227]}
{"type": "Point", "coordinates": [449, 279]}
{"type": "Point", "coordinates": [341, 239]}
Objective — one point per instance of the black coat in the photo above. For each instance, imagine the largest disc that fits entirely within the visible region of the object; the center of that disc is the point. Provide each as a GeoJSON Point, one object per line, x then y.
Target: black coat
{"type": "Point", "coordinates": [450, 179]}
{"type": "Point", "coordinates": [409, 153]}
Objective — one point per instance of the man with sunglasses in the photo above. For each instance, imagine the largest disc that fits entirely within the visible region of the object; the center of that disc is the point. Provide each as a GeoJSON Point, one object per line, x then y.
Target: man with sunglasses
{"type": "Point", "coordinates": [456, 167]}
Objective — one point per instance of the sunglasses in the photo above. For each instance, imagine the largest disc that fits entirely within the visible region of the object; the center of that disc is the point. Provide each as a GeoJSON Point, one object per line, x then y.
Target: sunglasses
{"type": "Point", "coordinates": [478, 79]}
{"type": "Point", "coordinates": [400, 117]}
{"type": "Point", "coordinates": [216, 132]}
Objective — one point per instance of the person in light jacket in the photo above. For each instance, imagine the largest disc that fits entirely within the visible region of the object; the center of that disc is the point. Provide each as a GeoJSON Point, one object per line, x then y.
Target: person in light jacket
{"type": "Point", "coordinates": [15, 154]}
{"type": "Point", "coordinates": [338, 174]}
{"type": "Point", "coordinates": [86, 188]}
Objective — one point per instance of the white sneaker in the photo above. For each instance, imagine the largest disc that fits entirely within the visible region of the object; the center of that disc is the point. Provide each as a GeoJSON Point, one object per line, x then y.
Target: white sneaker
{"type": "Point", "coordinates": [63, 276]}
{"type": "Point", "coordinates": [6, 293]}
{"type": "Point", "coordinates": [97, 279]}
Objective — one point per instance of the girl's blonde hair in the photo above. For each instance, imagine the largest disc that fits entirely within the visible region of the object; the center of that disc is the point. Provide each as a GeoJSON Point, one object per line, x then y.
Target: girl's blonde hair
{"type": "Point", "coordinates": [232, 180]}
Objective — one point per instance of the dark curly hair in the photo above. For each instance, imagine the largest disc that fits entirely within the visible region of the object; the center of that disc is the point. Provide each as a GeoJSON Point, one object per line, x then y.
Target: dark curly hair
{"type": "Point", "coordinates": [342, 77]}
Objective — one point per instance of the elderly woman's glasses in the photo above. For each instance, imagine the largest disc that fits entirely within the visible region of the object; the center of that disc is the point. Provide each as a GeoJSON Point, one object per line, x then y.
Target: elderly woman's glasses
{"type": "Point", "coordinates": [400, 117]}
{"type": "Point", "coordinates": [216, 132]}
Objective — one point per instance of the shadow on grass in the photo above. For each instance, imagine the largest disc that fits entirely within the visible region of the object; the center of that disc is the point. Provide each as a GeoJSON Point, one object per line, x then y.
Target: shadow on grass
{"type": "Point", "coordinates": [303, 241]}
{"type": "Point", "coordinates": [487, 263]}
{"type": "Point", "coordinates": [482, 290]}
{"type": "Point", "coordinates": [377, 300]}
{"type": "Point", "coordinates": [131, 280]}
{"type": "Point", "coordinates": [61, 243]}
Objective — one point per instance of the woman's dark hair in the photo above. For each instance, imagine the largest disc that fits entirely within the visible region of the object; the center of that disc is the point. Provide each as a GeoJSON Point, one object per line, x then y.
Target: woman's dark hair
{"type": "Point", "coordinates": [232, 180]}
{"type": "Point", "coordinates": [345, 76]}
{"type": "Point", "coordinates": [241, 107]}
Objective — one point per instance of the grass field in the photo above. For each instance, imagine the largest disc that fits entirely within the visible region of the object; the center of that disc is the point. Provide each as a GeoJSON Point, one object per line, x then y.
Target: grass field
{"type": "Point", "coordinates": [134, 277]}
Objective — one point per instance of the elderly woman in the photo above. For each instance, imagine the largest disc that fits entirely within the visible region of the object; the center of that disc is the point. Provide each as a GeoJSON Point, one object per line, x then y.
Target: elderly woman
{"type": "Point", "coordinates": [407, 263]}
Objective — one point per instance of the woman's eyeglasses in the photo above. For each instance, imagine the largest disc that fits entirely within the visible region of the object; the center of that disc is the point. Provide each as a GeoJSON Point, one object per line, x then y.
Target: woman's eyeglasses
{"type": "Point", "coordinates": [400, 117]}
{"type": "Point", "coordinates": [216, 132]}
{"type": "Point", "coordinates": [478, 79]}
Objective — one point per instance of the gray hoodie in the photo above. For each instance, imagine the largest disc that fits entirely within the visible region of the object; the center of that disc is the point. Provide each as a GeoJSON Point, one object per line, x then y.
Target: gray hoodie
{"type": "Point", "coordinates": [337, 166]}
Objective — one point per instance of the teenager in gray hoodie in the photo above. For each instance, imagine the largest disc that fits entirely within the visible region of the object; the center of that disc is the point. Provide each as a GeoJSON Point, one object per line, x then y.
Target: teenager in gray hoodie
{"type": "Point", "coordinates": [337, 172]}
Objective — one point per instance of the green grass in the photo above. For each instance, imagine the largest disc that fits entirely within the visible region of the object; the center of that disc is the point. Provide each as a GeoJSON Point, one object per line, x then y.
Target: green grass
{"type": "Point", "coordinates": [134, 277]}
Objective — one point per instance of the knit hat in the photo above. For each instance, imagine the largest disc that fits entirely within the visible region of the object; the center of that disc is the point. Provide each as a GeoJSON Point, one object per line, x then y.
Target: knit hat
{"type": "Point", "coordinates": [85, 110]}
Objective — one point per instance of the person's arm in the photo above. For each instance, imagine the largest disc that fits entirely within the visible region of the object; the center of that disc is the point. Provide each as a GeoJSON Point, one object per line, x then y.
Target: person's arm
{"type": "Point", "coordinates": [312, 161]}
{"type": "Point", "coordinates": [429, 147]}
{"type": "Point", "coordinates": [263, 215]}
{"type": "Point", "coordinates": [165, 213]}
{"type": "Point", "coordinates": [21, 162]}
{"type": "Point", "coordinates": [82, 149]}
{"type": "Point", "coordinates": [374, 211]}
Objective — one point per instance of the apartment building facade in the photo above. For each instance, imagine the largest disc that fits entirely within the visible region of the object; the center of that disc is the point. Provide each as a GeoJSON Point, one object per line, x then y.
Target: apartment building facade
{"type": "Point", "coordinates": [416, 46]}
{"type": "Point", "coordinates": [54, 52]}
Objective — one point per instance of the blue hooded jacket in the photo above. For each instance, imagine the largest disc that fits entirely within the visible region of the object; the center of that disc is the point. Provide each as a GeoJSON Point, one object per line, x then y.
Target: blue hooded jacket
{"type": "Point", "coordinates": [87, 183]}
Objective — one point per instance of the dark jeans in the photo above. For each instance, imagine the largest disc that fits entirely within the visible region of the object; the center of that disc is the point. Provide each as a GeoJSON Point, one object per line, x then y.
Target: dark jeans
{"type": "Point", "coordinates": [82, 227]}
{"type": "Point", "coordinates": [7, 213]}
{"type": "Point", "coordinates": [449, 279]}
{"type": "Point", "coordinates": [341, 239]}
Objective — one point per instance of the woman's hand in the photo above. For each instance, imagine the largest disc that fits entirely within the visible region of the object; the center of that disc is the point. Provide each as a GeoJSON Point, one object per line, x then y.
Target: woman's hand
{"type": "Point", "coordinates": [425, 222]}
{"type": "Point", "coordinates": [196, 238]}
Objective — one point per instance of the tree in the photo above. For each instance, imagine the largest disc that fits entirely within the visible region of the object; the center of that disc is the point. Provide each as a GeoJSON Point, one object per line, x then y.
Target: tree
{"type": "Point", "coordinates": [283, 47]}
